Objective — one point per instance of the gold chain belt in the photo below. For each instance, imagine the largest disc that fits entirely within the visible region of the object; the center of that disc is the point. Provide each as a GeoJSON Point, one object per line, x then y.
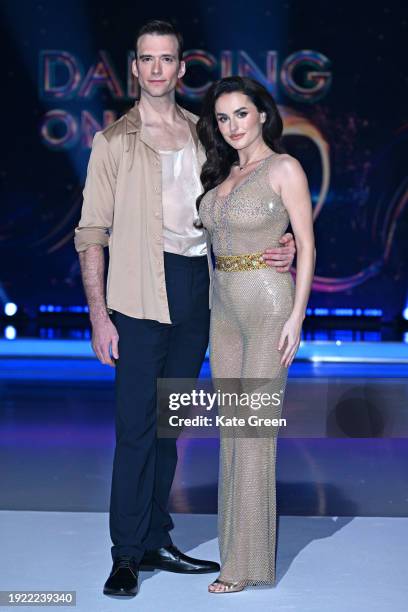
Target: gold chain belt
{"type": "Point", "coordinates": [239, 263]}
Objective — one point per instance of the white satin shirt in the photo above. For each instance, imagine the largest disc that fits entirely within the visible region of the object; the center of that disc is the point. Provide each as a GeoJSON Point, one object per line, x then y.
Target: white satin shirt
{"type": "Point", "coordinates": [180, 187]}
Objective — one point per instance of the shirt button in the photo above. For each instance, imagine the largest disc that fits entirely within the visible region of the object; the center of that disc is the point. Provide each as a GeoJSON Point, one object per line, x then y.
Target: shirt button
{"type": "Point", "coordinates": [156, 188]}
{"type": "Point", "coordinates": [157, 214]}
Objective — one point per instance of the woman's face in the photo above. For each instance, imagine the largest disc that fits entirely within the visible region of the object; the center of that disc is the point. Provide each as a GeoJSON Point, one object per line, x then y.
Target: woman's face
{"type": "Point", "coordinates": [239, 121]}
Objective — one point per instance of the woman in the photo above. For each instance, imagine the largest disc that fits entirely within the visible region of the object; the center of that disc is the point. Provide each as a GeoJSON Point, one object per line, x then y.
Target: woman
{"type": "Point", "coordinates": [252, 189]}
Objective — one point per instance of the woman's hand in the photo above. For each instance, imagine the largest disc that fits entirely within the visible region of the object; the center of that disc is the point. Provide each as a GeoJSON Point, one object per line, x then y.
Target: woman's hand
{"type": "Point", "coordinates": [291, 336]}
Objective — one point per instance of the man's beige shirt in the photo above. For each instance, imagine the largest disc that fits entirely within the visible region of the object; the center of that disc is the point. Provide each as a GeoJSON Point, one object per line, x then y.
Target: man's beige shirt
{"type": "Point", "coordinates": [122, 209]}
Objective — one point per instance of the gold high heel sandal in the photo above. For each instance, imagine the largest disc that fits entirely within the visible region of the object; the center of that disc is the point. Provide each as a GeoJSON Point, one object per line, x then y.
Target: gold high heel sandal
{"type": "Point", "coordinates": [230, 587]}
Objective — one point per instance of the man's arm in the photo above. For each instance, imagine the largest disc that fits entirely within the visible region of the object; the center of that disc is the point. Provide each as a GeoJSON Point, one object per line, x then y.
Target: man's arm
{"type": "Point", "coordinates": [281, 258]}
{"type": "Point", "coordinates": [104, 333]}
{"type": "Point", "coordinates": [91, 236]}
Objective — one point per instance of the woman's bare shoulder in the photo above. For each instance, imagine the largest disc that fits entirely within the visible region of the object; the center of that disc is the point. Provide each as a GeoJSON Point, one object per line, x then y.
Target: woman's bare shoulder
{"type": "Point", "coordinates": [284, 169]}
{"type": "Point", "coordinates": [287, 163]}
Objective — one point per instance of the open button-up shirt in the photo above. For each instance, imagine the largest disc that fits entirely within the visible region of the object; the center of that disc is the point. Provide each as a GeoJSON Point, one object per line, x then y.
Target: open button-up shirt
{"type": "Point", "coordinates": [122, 209]}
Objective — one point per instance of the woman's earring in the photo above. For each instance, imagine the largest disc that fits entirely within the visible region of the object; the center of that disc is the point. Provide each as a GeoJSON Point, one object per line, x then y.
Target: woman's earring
{"type": "Point", "coordinates": [263, 117]}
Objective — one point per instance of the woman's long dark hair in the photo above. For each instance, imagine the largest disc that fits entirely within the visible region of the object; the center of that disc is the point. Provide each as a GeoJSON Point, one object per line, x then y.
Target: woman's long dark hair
{"type": "Point", "coordinates": [220, 155]}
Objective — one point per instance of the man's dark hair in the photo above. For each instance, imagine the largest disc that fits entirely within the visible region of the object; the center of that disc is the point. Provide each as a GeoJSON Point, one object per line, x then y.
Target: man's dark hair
{"type": "Point", "coordinates": [160, 28]}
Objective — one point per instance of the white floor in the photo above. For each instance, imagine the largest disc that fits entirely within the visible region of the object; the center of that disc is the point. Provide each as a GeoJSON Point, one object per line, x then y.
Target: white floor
{"type": "Point", "coordinates": [324, 564]}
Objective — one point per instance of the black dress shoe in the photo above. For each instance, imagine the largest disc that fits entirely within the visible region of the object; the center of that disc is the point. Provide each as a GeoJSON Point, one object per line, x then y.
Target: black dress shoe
{"type": "Point", "coordinates": [123, 578]}
{"type": "Point", "coordinates": [170, 559]}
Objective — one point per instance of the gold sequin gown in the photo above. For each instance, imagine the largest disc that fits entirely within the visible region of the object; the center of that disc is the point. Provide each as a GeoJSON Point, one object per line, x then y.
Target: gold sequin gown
{"type": "Point", "coordinates": [249, 310]}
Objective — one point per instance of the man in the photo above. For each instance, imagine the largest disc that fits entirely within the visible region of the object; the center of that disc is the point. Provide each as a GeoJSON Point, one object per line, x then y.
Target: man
{"type": "Point", "coordinates": [139, 198]}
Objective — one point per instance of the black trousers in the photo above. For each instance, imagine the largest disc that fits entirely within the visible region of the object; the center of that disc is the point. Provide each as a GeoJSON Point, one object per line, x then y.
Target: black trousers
{"type": "Point", "coordinates": [144, 465]}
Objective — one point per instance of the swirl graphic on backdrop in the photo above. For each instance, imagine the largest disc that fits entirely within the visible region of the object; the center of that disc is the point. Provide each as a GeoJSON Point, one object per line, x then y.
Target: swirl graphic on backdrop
{"type": "Point", "coordinates": [295, 124]}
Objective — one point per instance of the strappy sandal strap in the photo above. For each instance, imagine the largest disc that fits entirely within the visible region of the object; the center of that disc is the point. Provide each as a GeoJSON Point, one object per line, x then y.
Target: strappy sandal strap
{"type": "Point", "coordinates": [230, 587]}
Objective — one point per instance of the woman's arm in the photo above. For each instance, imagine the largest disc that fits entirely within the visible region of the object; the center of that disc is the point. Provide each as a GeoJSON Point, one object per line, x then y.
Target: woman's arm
{"type": "Point", "coordinates": [296, 198]}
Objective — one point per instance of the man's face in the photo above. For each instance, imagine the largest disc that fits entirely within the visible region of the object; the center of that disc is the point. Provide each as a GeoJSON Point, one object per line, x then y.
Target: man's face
{"type": "Point", "coordinates": [157, 65]}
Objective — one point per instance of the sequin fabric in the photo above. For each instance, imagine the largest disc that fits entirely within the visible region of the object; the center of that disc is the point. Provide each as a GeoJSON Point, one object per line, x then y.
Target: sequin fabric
{"type": "Point", "coordinates": [249, 310]}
